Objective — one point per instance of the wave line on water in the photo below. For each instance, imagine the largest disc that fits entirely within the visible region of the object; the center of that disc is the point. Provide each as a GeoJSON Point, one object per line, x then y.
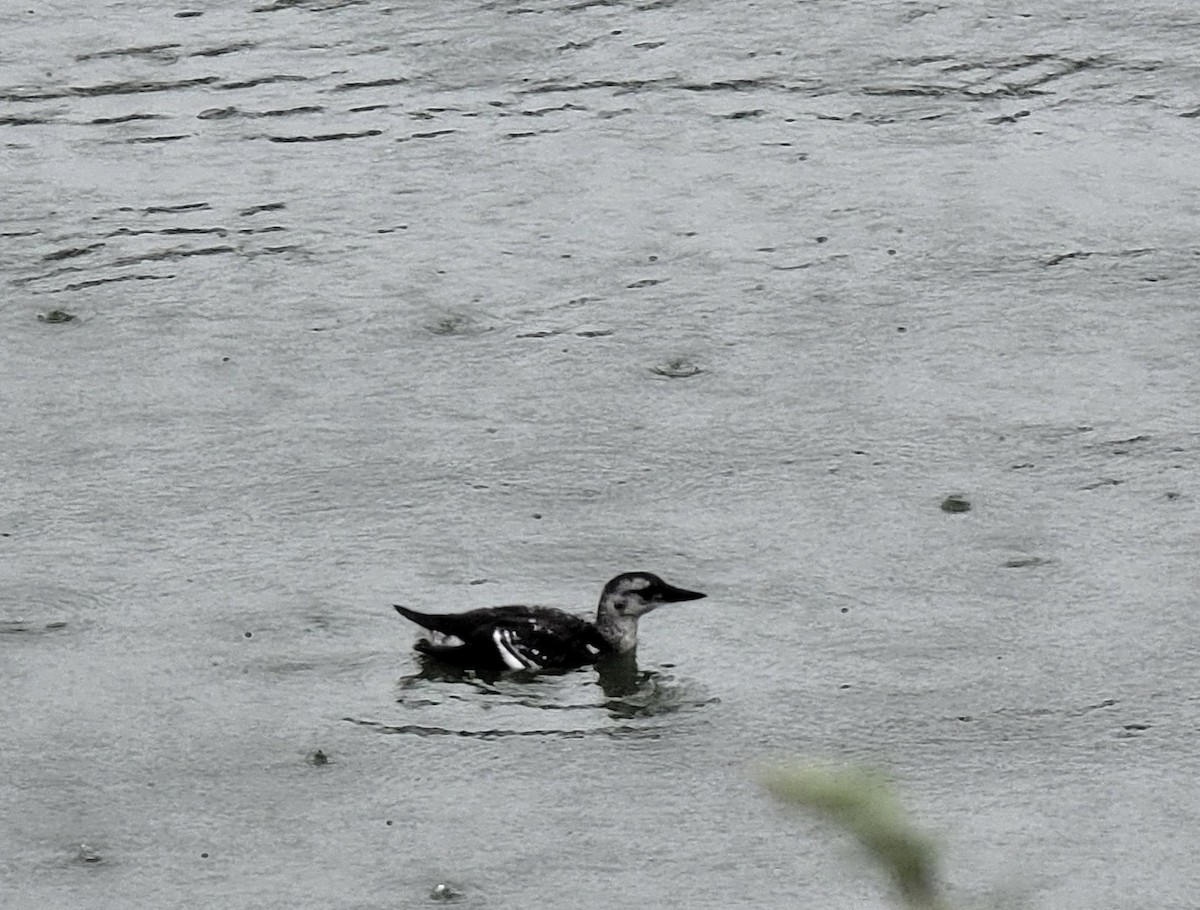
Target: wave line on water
{"type": "Point", "coordinates": [619, 732]}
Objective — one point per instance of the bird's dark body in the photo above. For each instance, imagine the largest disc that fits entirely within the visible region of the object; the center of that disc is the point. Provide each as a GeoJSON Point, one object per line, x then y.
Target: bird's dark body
{"type": "Point", "coordinates": [545, 638]}
{"type": "Point", "coordinates": [551, 638]}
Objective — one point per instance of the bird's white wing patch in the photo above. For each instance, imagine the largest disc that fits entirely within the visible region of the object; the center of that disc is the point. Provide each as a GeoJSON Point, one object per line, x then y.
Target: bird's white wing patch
{"type": "Point", "coordinates": [513, 658]}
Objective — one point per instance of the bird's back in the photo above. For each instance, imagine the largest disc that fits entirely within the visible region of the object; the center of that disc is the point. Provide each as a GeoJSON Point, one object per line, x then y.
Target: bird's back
{"type": "Point", "coordinates": [509, 637]}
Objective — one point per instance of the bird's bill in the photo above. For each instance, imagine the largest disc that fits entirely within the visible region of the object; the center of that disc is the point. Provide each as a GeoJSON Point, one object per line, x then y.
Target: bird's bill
{"type": "Point", "coordinates": [671, 594]}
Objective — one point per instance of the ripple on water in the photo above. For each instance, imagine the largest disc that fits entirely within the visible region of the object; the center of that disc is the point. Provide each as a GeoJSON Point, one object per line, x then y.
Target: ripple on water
{"type": "Point", "coordinates": [617, 701]}
{"type": "Point", "coordinates": [37, 608]}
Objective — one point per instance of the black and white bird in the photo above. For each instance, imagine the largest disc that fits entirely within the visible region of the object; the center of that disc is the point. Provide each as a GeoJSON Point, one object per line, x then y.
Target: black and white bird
{"type": "Point", "coordinates": [544, 638]}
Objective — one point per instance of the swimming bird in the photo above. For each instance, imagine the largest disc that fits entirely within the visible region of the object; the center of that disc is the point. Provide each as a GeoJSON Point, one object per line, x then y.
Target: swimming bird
{"type": "Point", "coordinates": [545, 638]}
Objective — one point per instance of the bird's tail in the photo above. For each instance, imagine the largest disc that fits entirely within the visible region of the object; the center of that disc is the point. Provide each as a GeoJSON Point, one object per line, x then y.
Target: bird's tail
{"type": "Point", "coordinates": [441, 624]}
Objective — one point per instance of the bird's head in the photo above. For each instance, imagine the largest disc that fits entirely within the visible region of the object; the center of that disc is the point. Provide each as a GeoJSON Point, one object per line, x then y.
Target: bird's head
{"type": "Point", "coordinates": [635, 594]}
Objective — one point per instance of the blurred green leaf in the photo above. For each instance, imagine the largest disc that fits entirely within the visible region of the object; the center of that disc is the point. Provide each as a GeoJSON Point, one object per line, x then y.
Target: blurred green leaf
{"type": "Point", "coordinates": [863, 803]}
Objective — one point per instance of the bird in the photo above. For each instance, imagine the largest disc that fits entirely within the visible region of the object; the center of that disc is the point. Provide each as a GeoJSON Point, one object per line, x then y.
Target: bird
{"type": "Point", "coordinates": [532, 638]}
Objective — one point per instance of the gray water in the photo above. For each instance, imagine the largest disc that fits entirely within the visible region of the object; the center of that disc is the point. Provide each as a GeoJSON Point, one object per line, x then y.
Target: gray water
{"type": "Point", "coordinates": [458, 304]}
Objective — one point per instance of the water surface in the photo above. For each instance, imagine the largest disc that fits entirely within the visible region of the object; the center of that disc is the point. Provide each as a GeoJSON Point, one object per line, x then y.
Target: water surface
{"type": "Point", "coordinates": [454, 305]}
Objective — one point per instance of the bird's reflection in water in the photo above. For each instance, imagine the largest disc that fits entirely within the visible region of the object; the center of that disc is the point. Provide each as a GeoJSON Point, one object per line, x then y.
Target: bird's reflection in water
{"type": "Point", "coordinates": [628, 690]}
{"type": "Point", "coordinates": [432, 670]}
{"type": "Point", "coordinates": [619, 676]}
{"type": "Point", "coordinates": [632, 692]}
